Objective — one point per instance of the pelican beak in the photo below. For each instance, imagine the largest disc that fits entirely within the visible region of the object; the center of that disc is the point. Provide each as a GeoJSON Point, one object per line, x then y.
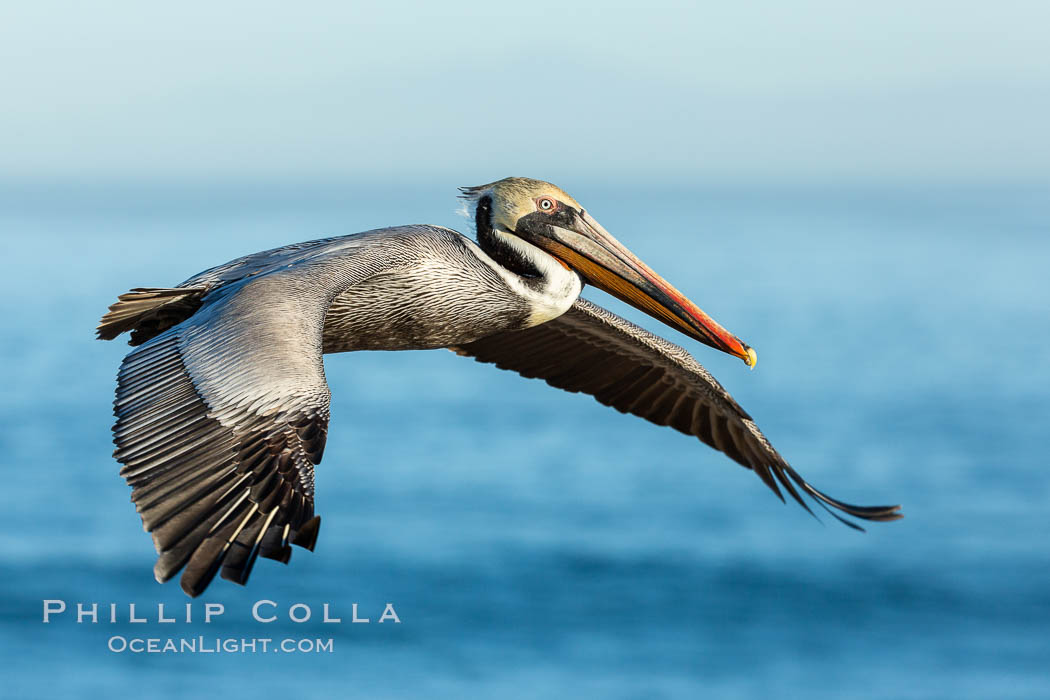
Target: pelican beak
{"type": "Point", "coordinates": [575, 238]}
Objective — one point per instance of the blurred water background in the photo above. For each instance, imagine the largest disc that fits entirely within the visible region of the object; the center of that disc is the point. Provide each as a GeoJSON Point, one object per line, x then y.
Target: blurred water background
{"type": "Point", "coordinates": [535, 543]}
{"type": "Point", "coordinates": [860, 191]}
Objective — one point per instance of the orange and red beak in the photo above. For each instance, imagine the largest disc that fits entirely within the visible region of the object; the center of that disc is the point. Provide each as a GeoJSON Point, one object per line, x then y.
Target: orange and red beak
{"type": "Point", "coordinates": [580, 242]}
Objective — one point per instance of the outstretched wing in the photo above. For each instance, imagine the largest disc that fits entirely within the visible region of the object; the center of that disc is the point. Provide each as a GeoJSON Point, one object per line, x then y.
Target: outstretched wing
{"type": "Point", "coordinates": [221, 419]}
{"type": "Point", "coordinates": [594, 351]}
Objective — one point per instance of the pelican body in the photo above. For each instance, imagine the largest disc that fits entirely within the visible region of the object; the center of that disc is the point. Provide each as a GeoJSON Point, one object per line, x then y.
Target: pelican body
{"type": "Point", "coordinates": [222, 408]}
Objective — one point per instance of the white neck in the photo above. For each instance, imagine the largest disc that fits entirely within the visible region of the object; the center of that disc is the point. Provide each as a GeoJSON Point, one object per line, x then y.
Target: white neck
{"type": "Point", "coordinates": [552, 292]}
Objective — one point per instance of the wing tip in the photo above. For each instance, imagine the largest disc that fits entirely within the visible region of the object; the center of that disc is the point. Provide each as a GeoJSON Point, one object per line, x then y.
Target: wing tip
{"type": "Point", "coordinates": [870, 513]}
{"type": "Point", "coordinates": [306, 535]}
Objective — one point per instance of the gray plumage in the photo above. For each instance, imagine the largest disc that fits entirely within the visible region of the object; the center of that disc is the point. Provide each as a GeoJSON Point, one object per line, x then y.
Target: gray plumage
{"type": "Point", "coordinates": [222, 409]}
{"type": "Point", "coordinates": [222, 415]}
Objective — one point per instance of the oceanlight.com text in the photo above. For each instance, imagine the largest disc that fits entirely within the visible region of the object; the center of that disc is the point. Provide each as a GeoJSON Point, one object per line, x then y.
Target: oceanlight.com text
{"type": "Point", "coordinates": [218, 645]}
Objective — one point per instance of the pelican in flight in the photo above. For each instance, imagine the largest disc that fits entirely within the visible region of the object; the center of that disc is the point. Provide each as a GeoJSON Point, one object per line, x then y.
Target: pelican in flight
{"type": "Point", "coordinates": [222, 408]}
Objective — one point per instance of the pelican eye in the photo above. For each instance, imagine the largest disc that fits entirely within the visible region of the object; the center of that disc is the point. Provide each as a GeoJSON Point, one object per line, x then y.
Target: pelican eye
{"type": "Point", "coordinates": [546, 204]}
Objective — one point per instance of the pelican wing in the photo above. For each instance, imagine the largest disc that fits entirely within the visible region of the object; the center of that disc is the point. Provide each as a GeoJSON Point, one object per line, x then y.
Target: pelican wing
{"type": "Point", "coordinates": [594, 351]}
{"type": "Point", "coordinates": [222, 417]}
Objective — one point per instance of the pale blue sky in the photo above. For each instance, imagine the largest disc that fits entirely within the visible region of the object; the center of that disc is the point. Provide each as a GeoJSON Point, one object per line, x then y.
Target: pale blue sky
{"type": "Point", "coordinates": [813, 90]}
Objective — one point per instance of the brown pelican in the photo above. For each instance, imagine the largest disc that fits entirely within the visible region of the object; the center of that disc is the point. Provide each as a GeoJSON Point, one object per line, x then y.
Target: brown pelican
{"type": "Point", "coordinates": [222, 409]}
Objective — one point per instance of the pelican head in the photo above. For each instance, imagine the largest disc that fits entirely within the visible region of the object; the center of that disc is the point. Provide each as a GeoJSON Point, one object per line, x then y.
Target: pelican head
{"type": "Point", "coordinates": [544, 216]}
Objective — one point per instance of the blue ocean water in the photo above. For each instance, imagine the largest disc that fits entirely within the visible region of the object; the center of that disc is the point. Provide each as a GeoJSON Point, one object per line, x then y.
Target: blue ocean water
{"type": "Point", "coordinates": [536, 544]}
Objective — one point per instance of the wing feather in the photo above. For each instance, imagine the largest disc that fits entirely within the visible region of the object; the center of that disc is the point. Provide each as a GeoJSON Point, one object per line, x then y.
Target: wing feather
{"type": "Point", "coordinates": [209, 489]}
{"type": "Point", "coordinates": [222, 417]}
{"type": "Point", "coordinates": [594, 351]}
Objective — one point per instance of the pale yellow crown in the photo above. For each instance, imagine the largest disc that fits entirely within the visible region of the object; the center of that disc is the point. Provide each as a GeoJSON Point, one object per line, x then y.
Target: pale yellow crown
{"type": "Point", "coordinates": [515, 197]}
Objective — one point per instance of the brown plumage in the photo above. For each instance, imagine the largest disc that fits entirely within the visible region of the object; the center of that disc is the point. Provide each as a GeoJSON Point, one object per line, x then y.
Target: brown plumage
{"type": "Point", "coordinates": [594, 351]}
{"type": "Point", "coordinates": [222, 408]}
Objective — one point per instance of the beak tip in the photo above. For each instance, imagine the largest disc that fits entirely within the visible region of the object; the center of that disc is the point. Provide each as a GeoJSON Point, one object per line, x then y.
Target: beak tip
{"type": "Point", "coordinates": [752, 357]}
